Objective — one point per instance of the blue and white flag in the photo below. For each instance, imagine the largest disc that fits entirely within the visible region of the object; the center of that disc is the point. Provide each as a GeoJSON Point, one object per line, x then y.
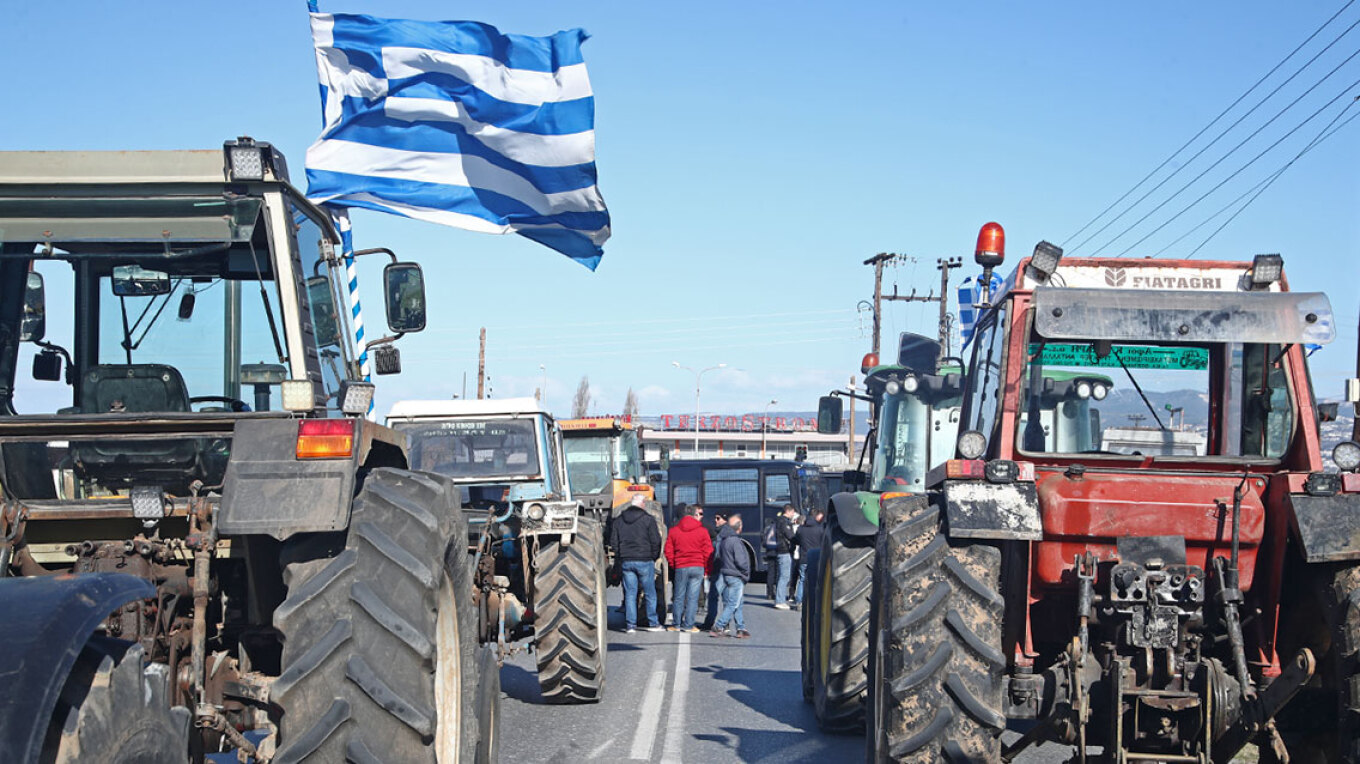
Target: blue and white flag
{"type": "Point", "coordinates": [453, 122]}
{"type": "Point", "coordinates": [970, 292]}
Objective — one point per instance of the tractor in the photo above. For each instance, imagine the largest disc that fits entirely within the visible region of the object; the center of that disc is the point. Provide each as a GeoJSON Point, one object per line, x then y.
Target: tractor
{"type": "Point", "coordinates": [1147, 603]}
{"type": "Point", "coordinates": [205, 546]}
{"type": "Point", "coordinates": [604, 465]}
{"type": "Point", "coordinates": [539, 552]}
{"type": "Point", "coordinates": [914, 418]}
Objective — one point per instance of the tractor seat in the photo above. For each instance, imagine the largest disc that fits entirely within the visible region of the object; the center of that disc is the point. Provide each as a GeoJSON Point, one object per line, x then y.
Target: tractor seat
{"type": "Point", "coordinates": [135, 389]}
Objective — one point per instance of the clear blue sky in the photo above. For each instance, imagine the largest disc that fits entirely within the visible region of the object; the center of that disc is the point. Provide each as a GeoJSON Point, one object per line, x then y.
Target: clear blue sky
{"type": "Point", "coordinates": [753, 155]}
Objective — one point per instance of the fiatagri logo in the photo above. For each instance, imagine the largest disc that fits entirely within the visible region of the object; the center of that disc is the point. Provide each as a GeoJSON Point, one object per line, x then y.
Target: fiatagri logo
{"type": "Point", "coordinates": [1119, 277]}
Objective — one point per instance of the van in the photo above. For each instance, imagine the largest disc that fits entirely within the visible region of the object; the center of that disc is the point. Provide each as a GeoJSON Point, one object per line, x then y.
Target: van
{"type": "Point", "coordinates": [756, 489]}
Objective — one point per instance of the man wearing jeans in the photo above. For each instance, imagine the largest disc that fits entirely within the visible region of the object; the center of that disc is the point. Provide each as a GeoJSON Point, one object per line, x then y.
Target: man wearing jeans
{"type": "Point", "coordinates": [783, 537]}
{"type": "Point", "coordinates": [736, 571]}
{"type": "Point", "coordinates": [688, 549]}
{"type": "Point", "coordinates": [636, 542]}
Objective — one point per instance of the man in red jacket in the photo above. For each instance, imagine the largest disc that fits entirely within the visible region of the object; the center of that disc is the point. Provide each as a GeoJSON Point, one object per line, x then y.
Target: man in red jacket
{"type": "Point", "coordinates": [688, 550]}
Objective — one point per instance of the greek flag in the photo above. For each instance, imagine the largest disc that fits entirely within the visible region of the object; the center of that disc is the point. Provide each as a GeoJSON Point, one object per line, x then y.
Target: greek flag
{"type": "Point", "coordinates": [455, 123]}
{"type": "Point", "coordinates": [969, 293]}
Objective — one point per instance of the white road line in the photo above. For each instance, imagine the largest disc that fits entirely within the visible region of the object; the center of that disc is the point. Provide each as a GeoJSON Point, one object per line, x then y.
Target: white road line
{"type": "Point", "coordinates": [673, 751]}
{"type": "Point", "coordinates": [650, 713]}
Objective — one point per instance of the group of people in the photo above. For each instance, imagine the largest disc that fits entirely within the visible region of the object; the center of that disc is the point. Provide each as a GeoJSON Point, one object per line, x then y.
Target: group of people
{"type": "Point", "coordinates": [697, 553]}
{"type": "Point", "coordinates": [788, 543]}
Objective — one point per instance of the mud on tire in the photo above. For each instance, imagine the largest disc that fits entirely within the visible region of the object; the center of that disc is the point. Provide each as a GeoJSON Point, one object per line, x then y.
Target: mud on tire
{"type": "Point", "coordinates": [379, 652]}
{"type": "Point", "coordinates": [115, 710]}
{"type": "Point", "coordinates": [939, 661]}
{"type": "Point", "coordinates": [843, 592]}
{"type": "Point", "coordinates": [571, 624]}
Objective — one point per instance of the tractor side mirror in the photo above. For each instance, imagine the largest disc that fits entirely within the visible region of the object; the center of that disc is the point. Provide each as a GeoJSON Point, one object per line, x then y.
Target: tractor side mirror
{"type": "Point", "coordinates": [33, 327]}
{"type": "Point", "coordinates": [1327, 412]}
{"type": "Point", "coordinates": [405, 287]}
{"type": "Point", "coordinates": [854, 480]}
{"type": "Point", "coordinates": [830, 411]}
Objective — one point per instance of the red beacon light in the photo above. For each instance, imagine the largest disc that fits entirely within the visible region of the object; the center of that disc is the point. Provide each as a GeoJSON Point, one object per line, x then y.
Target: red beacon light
{"type": "Point", "coordinates": [870, 361]}
{"type": "Point", "coordinates": [991, 246]}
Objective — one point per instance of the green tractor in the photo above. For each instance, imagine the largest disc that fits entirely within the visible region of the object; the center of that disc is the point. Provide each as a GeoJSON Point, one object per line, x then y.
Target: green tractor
{"type": "Point", "coordinates": [914, 421]}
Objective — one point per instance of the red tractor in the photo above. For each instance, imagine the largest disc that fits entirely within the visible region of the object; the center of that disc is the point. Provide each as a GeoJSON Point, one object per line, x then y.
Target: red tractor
{"type": "Point", "coordinates": [1153, 591]}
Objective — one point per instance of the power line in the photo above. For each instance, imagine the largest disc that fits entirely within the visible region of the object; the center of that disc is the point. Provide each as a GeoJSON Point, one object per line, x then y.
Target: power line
{"type": "Point", "coordinates": [1238, 171]}
{"type": "Point", "coordinates": [678, 320]}
{"type": "Point", "coordinates": [1322, 136]}
{"type": "Point", "coordinates": [1221, 134]}
{"type": "Point", "coordinates": [658, 351]}
{"type": "Point", "coordinates": [691, 335]}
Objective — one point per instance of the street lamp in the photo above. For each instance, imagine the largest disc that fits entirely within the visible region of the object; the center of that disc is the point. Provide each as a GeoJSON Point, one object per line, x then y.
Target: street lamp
{"type": "Point", "coordinates": [765, 426]}
{"type": "Point", "coordinates": [698, 376]}
{"type": "Point", "coordinates": [543, 395]}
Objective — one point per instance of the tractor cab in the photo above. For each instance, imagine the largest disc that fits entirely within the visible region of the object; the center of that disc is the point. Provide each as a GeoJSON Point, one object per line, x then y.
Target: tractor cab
{"type": "Point", "coordinates": [604, 461]}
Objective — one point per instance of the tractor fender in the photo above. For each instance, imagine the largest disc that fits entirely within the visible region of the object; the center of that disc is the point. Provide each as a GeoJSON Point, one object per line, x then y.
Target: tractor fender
{"type": "Point", "coordinates": [47, 622]}
{"type": "Point", "coordinates": [1326, 527]}
{"type": "Point", "coordinates": [856, 513]}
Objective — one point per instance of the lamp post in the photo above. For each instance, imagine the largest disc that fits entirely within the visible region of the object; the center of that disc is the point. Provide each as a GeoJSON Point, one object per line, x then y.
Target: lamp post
{"type": "Point", "coordinates": [765, 425]}
{"type": "Point", "coordinates": [698, 376]}
{"type": "Point", "coordinates": [543, 395]}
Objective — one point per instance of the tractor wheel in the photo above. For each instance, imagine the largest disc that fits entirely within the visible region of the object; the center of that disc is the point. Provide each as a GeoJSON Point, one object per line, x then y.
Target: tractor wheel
{"type": "Point", "coordinates": [1328, 622]}
{"type": "Point", "coordinates": [488, 706]}
{"type": "Point", "coordinates": [844, 591]}
{"type": "Point", "coordinates": [380, 641]}
{"type": "Point", "coordinates": [570, 623]}
{"type": "Point", "coordinates": [115, 710]}
{"type": "Point", "coordinates": [808, 653]}
{"type": "Point", "coordinates": [939, 660]}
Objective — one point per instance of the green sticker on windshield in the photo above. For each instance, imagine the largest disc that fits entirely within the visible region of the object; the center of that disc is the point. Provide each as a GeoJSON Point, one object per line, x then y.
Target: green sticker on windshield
{"type": "Point", "coordinates": [1133, 356]}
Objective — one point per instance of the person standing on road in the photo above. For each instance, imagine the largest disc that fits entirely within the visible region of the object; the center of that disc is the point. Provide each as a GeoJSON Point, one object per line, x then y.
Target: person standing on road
{"type": "Point", "coordinates": [688, 550]}
{"type": "Point", "coordinates": [808, 537]}
{"type": "Point", "coordinates": [783, 538]}
{"type": "Point", "coordinates": [637, 543]}
{"type": "Point", "coordinates": [735, 568]}
{"type": "Point", "coordinates": [715, 579]}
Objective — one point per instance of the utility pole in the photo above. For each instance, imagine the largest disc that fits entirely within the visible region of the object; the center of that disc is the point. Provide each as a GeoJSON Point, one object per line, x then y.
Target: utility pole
{"type": "Point", "coordinates": [877, 261]}
{"type": "Point", "coordinates": [944, 264]}
{"type": "Point", "coordinates": [481, 366]}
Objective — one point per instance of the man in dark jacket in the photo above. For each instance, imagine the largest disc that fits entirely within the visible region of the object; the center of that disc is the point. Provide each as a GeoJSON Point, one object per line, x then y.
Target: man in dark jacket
{"type": "Point", "coordinates": [715, 579]}
{"type": "Point", "coordinates": [808, 537]}
{"type": "Point", "coordinates": [688, 550]}
{"type": "Point", "coordinates": [783, 537]}
{"type": "Point", "coordinates": [636, 542]}
{"type": "Point", "coordinates": [735, 567]}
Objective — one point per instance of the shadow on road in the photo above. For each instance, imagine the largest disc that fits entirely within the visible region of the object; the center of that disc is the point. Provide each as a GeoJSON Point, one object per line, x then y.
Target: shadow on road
{"type": "Point", "coordinates": [767, 691]}
{"type": "Point", "coordinates": [519, 684]}
{"type": "Point", "coordinates": [749, 745]}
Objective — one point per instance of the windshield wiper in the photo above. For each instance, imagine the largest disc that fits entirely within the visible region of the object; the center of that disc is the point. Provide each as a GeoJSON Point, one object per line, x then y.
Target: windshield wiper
{"type": "Point", "coordinates": [1129, 374]}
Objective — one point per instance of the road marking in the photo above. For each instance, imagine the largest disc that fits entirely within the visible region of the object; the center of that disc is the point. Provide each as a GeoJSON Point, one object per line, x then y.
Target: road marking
{"type": "Point", "coordinates": [672, 752]}
{"type": "Point", "coordinates": [650, 713]}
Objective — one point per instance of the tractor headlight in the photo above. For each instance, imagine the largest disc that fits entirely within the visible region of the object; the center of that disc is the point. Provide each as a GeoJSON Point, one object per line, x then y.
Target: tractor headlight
{"type": "Point", "coordinates": [1346, 455]}
{"type": "Point", "coordinates": [972, 444]}
{"type": "Point", "coordinates": [893, 387]}
{"type": "Point", "coordinates": [535, 512]}
{"type": "Point", "coordinates": [1099, 391]}
{"type": "Point", "coordinates": [1083, 390]}
{"type": "Point", "coordinates": [911, 384]}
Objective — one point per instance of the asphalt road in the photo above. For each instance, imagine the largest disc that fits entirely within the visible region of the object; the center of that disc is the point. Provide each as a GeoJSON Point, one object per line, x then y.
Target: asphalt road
{"type": "Point", "coordinates": [685, 697]}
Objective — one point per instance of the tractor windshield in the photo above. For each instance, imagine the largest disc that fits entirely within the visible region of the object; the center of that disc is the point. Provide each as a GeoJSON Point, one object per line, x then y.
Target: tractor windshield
{"type": "Point", "coordinates": [913, 436]}
{"type": "Point", "coordinates": [590, 462]}
{"type": "Point", "coordinates": [475, 450]}
{"type": "Point", "coordinates": [1154, 399]}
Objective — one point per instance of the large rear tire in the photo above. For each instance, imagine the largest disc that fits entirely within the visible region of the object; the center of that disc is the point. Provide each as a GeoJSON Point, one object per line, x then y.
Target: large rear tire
{"type": "Point", "coordinates": [840, 678]}
{"type": "Point", "coordinates": [939, 661]}
{"type": "Point", "coordinates": [115, 710]}
{"type": "Point", "coordinates": [1323, 723]}
{"type": "Point", "coordinates": [380, 643]}
{"type": "Point", "coordinates": [809, 649]}
{"type": "Point", "coordinates": [571, 622]}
